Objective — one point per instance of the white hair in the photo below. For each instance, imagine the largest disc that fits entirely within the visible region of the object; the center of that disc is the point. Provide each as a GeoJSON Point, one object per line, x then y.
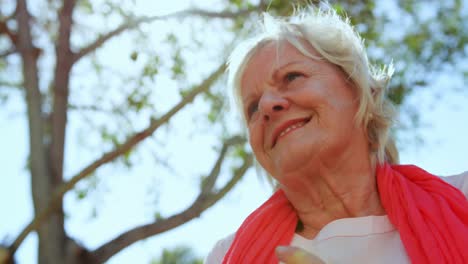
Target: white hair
{"type": "Point", "coordinates": [336, 41]}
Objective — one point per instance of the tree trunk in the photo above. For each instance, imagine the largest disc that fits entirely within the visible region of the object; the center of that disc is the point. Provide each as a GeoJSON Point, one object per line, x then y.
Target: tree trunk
{"type": "Point", "coordinates": [51, 234]}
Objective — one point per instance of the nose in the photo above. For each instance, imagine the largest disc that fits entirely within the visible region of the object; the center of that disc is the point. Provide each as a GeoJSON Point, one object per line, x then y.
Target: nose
{"type": "Point", "coordinates": [272, 104]}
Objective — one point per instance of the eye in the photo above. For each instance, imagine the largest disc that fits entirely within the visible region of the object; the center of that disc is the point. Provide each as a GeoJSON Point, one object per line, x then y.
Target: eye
{"type": "Point", "coordinates": [291, 76]}
{"type": "Point", "coordinates": [252, 108]}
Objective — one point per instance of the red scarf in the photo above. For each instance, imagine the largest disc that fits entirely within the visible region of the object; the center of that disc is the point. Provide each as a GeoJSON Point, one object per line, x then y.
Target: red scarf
{"type": "Point", "coordinates": [430, 215]}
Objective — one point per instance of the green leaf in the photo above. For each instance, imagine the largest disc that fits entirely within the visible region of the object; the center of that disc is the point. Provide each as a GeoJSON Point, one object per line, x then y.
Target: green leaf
{"type": "Point", "coordinates": [178, 255]}
{"type": "Point", "coordinates": [237, 3]}
{"type": "Point", "coordinates": [178, 68]}
{"type": "Point", "coordinates": [158, 216]}
{"type": "Point", "coordinates": [86, 6]}
{"type": "Point", "coordinates": [415, 41]}
{"type": "Point", "coordinates": [465, 74]}
{"type": "Point", "coordinates": [408, 6]}
{"type": "Point", "coordinates": [150, 71]}
{"type": "Point", "coordinates": [81, 194]}
{"type": "Point", "coordinates": [109, 137]}
{"type": "Point", "coordinates": [240, 152]}
{"type": "Point", "coordinates": [3, 64]}
{"type": "Point", "coordinates": [212, 116]}
{"type": "Point", "coordinates": [171, 39]}
{"type": "Point", "coordinates": [339, 9]}
{"type": "Point", "coordinates": [151, 68]}
{"type": "Point", "coordinates": [397, 94]}
{"type": "Point", "coordinates": [134, 56]}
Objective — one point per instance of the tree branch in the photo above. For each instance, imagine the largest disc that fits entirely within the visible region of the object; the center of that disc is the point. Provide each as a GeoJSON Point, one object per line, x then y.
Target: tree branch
{"type": "Point", "coordinates": [223, 14]}
{"type": "Point", "coordinates": [112, 155]}
{"type": "Point", "coordinates": [5, 30]}
{"type": "Point", "coordinates": [101, 40]}
{"type": "Point", "coordinates": [56, 236]}
{"type": "Point", "coordinates": [92, 108]}
{"type": "Point", "coordinates": [135, 22]}
{"type": "Point", "coordinates": [61, 90]}
{"type": "Point", "coordinates": [205, 199]}
{"type": "Point", "coordinates": [37, 150]}
{"type": "Point", "coordinates": [8, 52]}
{"type": "Point", "coordinates": [210, 180]}
{"type": "Point", "coordinates": [12, 85]}
{"type": "Point", "coordinates": [5, 256]}
{"type": "Point", "coordinates": [26, 49]}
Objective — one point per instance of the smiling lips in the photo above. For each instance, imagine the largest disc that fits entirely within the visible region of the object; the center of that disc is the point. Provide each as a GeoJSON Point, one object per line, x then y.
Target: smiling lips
{"type": "Point", "coordinates": [288, 127]}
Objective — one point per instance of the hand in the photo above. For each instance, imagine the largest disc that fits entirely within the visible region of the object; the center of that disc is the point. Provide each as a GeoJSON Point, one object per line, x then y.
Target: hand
{"type": "Point", "coordinates": [294, 255]}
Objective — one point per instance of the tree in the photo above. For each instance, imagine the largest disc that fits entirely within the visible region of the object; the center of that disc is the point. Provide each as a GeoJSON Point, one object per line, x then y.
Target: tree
{"type": "Point", "coordinates": [60, 48]}
{"type": "Point", "coordinates": [49, 108]}
{"type": "Point", "coordinates": [178, 255]}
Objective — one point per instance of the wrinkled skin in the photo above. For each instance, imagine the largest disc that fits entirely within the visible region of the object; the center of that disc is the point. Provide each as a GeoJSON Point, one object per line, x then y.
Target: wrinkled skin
{"type": "Point", "coordinates": [300, 114]}
{"type": "Point", "coordinates": [281, 84]}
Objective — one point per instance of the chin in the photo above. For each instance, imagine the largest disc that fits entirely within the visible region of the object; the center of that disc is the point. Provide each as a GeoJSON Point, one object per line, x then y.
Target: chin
{"type": "Point", "coordinates": [289, 165]}
{"type": "Point", "coordinates": [299, 161]}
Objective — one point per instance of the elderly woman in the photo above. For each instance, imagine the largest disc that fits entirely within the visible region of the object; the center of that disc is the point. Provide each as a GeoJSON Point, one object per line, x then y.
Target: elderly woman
{"type": "Point", "coordinates": [318, 123]}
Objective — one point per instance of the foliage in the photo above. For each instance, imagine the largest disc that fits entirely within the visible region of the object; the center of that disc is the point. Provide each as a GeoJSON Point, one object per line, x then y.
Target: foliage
{"type": "Point", "coordinates": [178, 255]}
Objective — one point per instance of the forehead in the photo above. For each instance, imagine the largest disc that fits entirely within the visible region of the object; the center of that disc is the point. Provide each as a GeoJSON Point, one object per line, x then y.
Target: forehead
{"type": "Point", "coordinates": [273, 55]}
{"type": "Point", "coordinates": [267, 59]}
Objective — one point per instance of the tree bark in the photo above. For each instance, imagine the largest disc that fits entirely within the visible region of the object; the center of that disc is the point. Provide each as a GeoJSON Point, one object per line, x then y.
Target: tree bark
{"type": "Point", "coordinates": [63, 66]}
{"type": "Point", "coordinates": [49, 246]}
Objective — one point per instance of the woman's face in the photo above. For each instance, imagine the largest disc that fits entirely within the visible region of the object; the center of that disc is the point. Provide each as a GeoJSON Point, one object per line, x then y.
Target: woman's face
{"type": "Point", "coordinates": [299, 111]}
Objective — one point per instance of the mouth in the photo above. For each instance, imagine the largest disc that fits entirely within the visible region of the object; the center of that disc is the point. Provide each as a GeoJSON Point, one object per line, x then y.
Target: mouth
{"type": "Point", "coordinates": [288, 127]}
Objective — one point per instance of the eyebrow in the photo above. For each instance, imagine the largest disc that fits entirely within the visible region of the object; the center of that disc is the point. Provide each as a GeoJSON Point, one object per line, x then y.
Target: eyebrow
{"type": "Point", "coordinates": [277, 71]}
{"type": "Point", "coordinates": [275, 76]}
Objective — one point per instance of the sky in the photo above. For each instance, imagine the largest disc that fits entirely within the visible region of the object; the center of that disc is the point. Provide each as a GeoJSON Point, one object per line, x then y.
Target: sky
{"type": "Point", "coordinates": [123, 202]}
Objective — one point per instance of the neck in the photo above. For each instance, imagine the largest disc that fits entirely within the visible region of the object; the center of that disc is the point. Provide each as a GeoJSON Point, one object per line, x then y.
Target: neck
{"type": "Point", "coordinates": [332, 194]}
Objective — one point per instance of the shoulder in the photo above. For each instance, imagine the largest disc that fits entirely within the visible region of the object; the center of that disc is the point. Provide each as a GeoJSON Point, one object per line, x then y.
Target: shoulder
{"type": "Point", "coordinates": [459, 181]}
{"type": "Point", "coordinates": [220, 249]}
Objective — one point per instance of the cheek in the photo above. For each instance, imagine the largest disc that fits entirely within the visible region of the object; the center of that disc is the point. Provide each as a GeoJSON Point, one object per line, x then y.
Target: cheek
{"type": "Point", "coordinates": [256, 138]}
{"type": "Point", "coordinates": [311, 96]}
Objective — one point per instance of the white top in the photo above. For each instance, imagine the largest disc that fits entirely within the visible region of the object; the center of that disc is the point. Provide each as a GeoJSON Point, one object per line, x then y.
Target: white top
{"type": "Point", "coordinates": [369, 239]}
